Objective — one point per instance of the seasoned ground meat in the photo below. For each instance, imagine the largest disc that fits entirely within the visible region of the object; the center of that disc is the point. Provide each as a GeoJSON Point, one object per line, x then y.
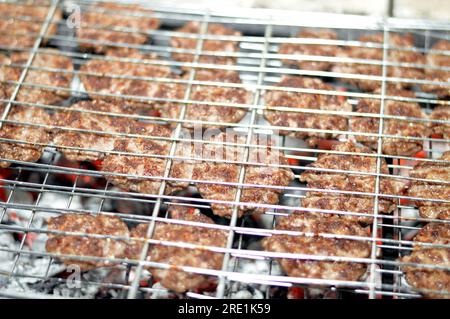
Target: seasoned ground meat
{"type": "Point", "coordinates": [436, 280]}
{"type": "Point", "coordinates": [174, 278]}
{"type": "Point", "coordinates": [61, 244]}
{"type": "Point", "coordinates": [441, 129]}
{"type": "Point", "coordinates": [97, 22]}
{"type": "Point", "coordinates": [348, 204]}
{"type": "Point", "coordinates": [52, 59]}
{"type": "Point", "coordinates": [77, 119]}
{"type": "Point", "coordinates": [433, 190]}
{"type": "Point", "coordinates": [348, 162]}
{"type": "Point", "coordinates": [22, 22]}
{"type": "Point", "coordinates": [327, 102]}
{"type": "Point", "coordinates": [310, 49]}
{"type": "Point", "coordinates": [217, 94]}
{"type": "Point", "coordinates": [215, 171]}
{"type": "Point", "coordinates": [394, 56]}
{"type": "Point", "coordinates": [433, 170]}
{"type": "Point", "coordinates": [431, 209]}
{"type": "Point", "coordinates": [438, 60]}
{"type": "Point", "coordinates": [391, 146]}
{"type": "Point", "coordinates": [353, 182]}
{"type": "Point", "coordinates": [216, 75]}
{"type": "Point", "coordinates": [194, 27]}
{"type": "Point", "coordinates": [435, 233]}
{"type": "Point", "coordinates": [147, 168]}
{"type": "Point", "coordinates": [439, 212]}
{"type": "Point", "coordinates": [25, 133]}
{"type": "Point", "coordinates": [320, 246]}
{"type": "Point", "coordinates": [107, 82]}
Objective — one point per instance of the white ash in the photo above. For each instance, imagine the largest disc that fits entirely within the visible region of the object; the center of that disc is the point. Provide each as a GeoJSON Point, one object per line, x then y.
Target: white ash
{"type": "Point", "coordinates": [246, 294]}
{"type": "Point", "coordinates": [160, 292]}
{"type": "Point", "coordinates": [96, 204]}
{"type": "Point", "coordinates": [27, 268]}
{"type": "Point", "coordinates": [30, 268]}
{"type": "Point", "coordinates": [27, 271]}
{"type": "Point", "coordinates": [321, 293]}
{"type": "Point", "coordinates": [83, 288]}
{"type": "Point", "coordinates": [242, 290]}
{"type": "Point", "coordinates": [7, 242]}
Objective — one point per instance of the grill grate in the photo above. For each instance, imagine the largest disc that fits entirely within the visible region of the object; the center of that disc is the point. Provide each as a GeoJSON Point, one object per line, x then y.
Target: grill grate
{"type": "Point", "coordinates": [260, 68]}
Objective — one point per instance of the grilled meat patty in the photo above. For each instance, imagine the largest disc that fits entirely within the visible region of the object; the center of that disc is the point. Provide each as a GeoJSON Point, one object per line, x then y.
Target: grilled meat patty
{"type": "Point", "coordinates": [98, 21]}
{"type": "Point", "coordinates": [225, 46]}
{"type": "Point", "coordinates": [217, 171]}
{"type": "Point", "coordinates": [351, 207]}
{"type": "Point", "coordinates": [434, 233]}
{"type": "Point", "coordinates": [404, 41]}
{"type": "Point", "coordinates": [436, 280]}
{"type": "Point", "coordinates": [22, 23]}
{"type": "Point", "coordinates": [62, 244]}
{"type": "Point", "coordinates": [78, 118]}
{"type": "Point", "coordinates": [391, 146]}
{"type": "Point", "coordinates": [441, 113]}
{"type": "Point", "coordinates": [24, 133]}
{"type": "Point", "coordinates": [145, 160]}
{"type": "Point", "coordinates": [439, 172]}
{"type": "Point", "coordinates": [326, 102]}
{"type": "Point", "coordinates": [174, 278]}
{"type": "Point", "coordinates": [438, 75]}
{"type": "Point", "coordinates": [433, 170]}
{"type": "Point", "coordinates": [310, 49]}
{"type": "Point", "coordinates": [52, 59]}
{"type": "Point", "coordinates": [320, 246]}
{"type": "Point", "coordinates": [355, 208]}
{"type": "Point", "coordinates": [431, 209]}
{"type": "Point", "coordinates": [108, 73]}
{"type": "Point", "coordinates": [216, 94]}
{"type": "Point", "coordinates": [345, 181]}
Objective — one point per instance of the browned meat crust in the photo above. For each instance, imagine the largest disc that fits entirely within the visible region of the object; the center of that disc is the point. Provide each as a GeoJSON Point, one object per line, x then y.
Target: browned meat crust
{"type": "Point", "coordinates": [391, 146]}
{"type": "Point", "coordinates": [433, 170]}
{"type": "Point", "coordinates": [349, 162]}
{"type": "Point", "coordinates": [328, 102]}
{"type": "Point", "coordinates": [350, 182]}
{"type": "Point", "coordinates": [22, 23]}
{"type": "Point", "coordinates": [438, 60]}
{"type": "Point", "coordinates": [77, 119]}
{"type": "Point", "coordinates": [133, 17]}
{"type": "Point", "coordinates": [395, 56]}
{"type": "Point", "coordinates": [438, 212]}
{"type": "Point", "coordinates": [441, 113]}
{"type": "Point", "coordinates": [354, 205]}
{"type": "Point", "coordinates": [427, 278]}
{"type": "Point", "coordinates": [435, 233]}
{"type": "Point", "coordinates": [432, 190]}
{"type": "Point", "coordinates": [320, 246]}
{"type": "Point", "coordinates": [431, 209]}
{"type": "Point", "coordinates": [174, 278]}
{"type": "Point", "coordinates": [25, 133]}
{"type": "Point", "coordinates": [51, 60]}
{"type": "Point", "coordinates": [211, 113]}
{"type": "Point", "coordinates": [310, 49]}
{"type": "Point", "coordinates": [147, 168]}
{"type": "Point", "coordinates": [106, 82]}
{"type": "Point", "coordinates": [208, 45]}
{"type": "Point", "coordinates": [87, 246]}
{"type": "Point", "coordinates": [212, 171]}
{"type": "Point", "coordinates": [216, 75]}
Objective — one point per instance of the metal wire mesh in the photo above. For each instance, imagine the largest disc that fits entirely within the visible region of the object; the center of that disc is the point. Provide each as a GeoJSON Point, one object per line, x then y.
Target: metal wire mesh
{"type": "Point", "coordinates": [260, 68]}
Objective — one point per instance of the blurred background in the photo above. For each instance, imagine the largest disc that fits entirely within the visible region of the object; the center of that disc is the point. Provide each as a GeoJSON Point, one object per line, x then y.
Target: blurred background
{"type": "Point", "coordinates": [426, 9]}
